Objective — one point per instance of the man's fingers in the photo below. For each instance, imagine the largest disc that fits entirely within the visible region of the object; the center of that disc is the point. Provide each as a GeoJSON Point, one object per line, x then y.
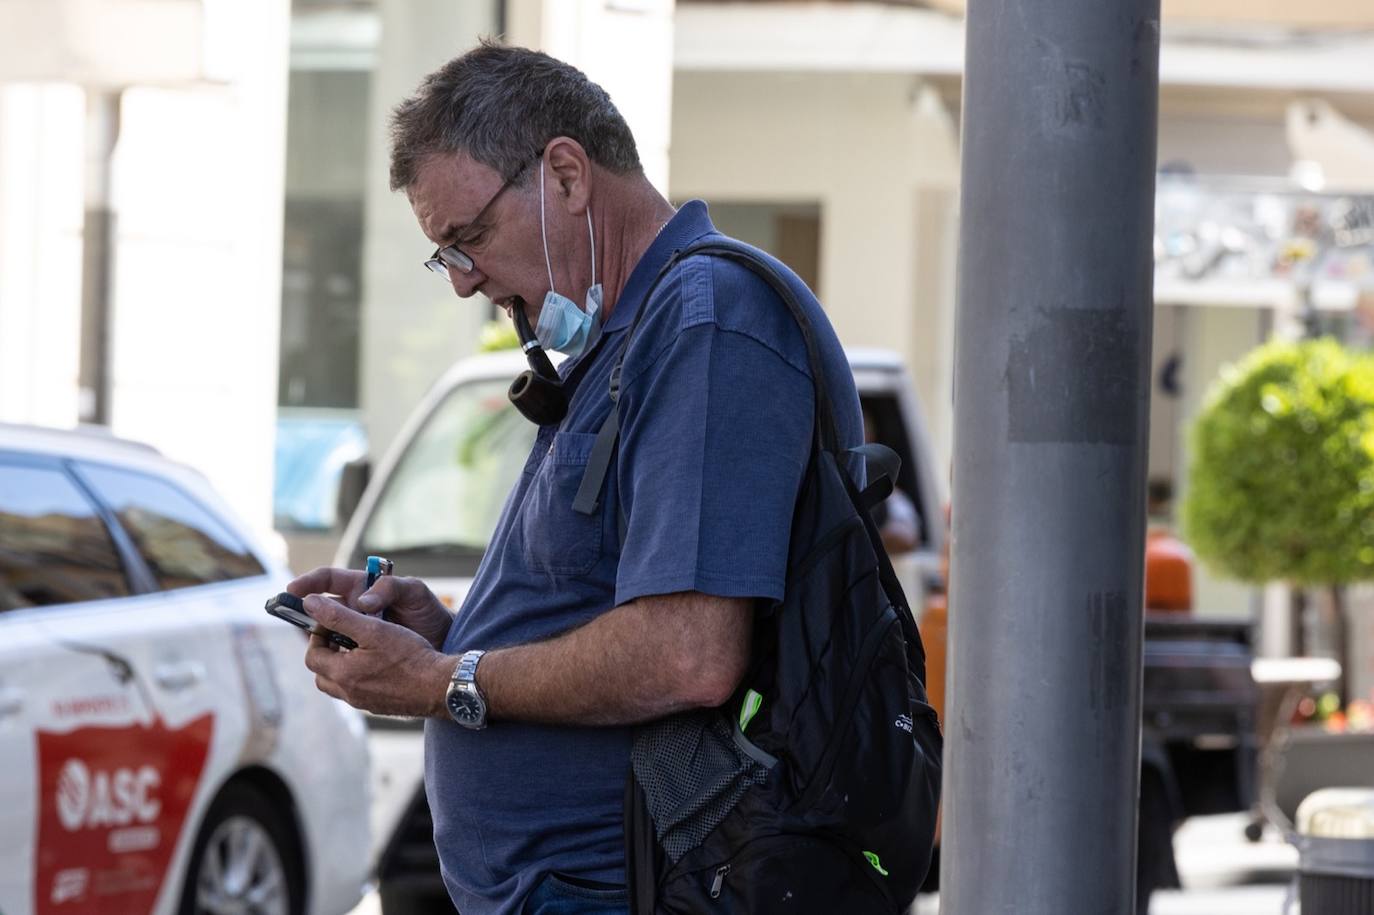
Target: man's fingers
{"type": "Point", "coordinates": [326, 580]}
{"type": "Point", "coordinates": [382, 594]}
{"type": "Point", "coordinates": [333, 615]}
{"type": "Point", "coordinates": [329, 687]}
{"type": "Point", "coordinates": [320, 657]}
{"type": "Point", "coordinates": [392, 591]}
{"type": "Point", "coordinates": [312, 582]}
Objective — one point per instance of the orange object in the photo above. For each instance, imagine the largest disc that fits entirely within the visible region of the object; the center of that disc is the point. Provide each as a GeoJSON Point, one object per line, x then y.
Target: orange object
{"type": "Point", "coordinates": [1168, 572]}
{"type": "Point", "coordinates": [934, 636]}
{"type": "Point", "coordinates": [934, 629]}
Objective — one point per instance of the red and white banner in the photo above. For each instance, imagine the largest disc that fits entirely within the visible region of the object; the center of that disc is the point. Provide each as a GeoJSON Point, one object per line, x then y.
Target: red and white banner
{"type": "Point", "coordinates": [113, 801]}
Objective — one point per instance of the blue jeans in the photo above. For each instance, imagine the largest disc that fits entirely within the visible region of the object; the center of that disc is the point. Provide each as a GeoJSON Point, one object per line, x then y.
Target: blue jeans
{"type": "Point", "coordinates": [560, 895]}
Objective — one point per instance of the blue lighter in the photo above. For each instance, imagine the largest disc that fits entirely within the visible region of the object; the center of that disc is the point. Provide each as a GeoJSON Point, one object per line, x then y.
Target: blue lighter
{"type": "Point", "coordinates": [376, 568]}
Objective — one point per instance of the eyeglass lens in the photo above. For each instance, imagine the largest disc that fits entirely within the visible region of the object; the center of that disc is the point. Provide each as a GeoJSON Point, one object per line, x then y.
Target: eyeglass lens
{"type": "Point", "coordinates": [444, 258]}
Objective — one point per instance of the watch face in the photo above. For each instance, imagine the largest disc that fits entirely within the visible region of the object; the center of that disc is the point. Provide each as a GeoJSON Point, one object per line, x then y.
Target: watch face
{"type": "Point", "coordinates": [466, 708]}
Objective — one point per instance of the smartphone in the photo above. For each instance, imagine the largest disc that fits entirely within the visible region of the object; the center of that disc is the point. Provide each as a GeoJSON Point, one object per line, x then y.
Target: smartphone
{"type": "Point", "coordinates": [289, 607]}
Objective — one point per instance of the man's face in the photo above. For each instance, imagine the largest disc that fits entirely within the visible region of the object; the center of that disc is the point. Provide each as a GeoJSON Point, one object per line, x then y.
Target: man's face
{"type": "Point", "coordinates": [448, 197]}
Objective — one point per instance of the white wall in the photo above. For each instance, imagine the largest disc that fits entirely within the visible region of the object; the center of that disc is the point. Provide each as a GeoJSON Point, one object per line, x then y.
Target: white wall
{"type": "Point", "coordinates": [626, 47]}
{"type": "Point", "coordinates": [1217, 143]}
{"type": "Point", "coordinates": [879, 154]}
{"type": "Point", "coordinates": [40, 252]}
{"type": "Point", "coordinates": [198, 193]}
{"type": "Point", "coordinates": [197, 297]}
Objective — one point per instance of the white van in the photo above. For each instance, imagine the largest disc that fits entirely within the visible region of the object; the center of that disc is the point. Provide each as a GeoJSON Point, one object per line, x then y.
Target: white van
{"type": "Point", "coordinates": [433, 503]}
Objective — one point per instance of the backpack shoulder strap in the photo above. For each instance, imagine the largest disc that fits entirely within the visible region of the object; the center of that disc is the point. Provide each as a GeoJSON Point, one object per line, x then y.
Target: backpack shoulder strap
{"type": "Point", "coordinates": [881, 466]}
{"type": "Point", "coordinates": [588, 498]}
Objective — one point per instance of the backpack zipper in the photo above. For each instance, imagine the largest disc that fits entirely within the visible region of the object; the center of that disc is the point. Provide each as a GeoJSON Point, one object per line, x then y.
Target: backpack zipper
{"type": "Point", "coordinates": [873, 641]}
{"type": "Point", "coordinates": [751, 850]}
{"type": "Point", "coordinates": [745, 853]}
{"type": "Point", "coordinates": [717, 883]}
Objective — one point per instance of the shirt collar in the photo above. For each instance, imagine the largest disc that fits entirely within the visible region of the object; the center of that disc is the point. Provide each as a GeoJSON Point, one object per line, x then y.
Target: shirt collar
{"type": "Point", "coordinates": [687, 225]}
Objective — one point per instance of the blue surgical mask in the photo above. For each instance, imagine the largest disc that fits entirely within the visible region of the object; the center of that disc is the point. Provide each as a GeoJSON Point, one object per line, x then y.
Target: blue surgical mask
{"type": "Point", "coordinates": [563, 327]}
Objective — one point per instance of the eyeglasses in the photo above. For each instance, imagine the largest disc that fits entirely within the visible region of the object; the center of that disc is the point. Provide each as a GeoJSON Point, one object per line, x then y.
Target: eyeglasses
{"type": "Point", "coordinates": [450, 255]}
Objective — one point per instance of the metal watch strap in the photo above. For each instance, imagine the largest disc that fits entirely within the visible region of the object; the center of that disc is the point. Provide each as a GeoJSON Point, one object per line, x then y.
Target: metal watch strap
{"type": "Point", "coordinates": [466, 704]}
{"type": "Point", "coordinates": [466, 671]}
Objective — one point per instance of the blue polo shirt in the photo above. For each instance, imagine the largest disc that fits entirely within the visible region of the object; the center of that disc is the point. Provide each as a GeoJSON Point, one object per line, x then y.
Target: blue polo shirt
{"type": "Point", "coordinates": [716, 422]}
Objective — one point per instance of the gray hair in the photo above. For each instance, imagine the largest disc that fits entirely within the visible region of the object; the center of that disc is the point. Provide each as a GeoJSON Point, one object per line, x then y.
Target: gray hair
{"type": "Point", "coordinates": [501, 106]}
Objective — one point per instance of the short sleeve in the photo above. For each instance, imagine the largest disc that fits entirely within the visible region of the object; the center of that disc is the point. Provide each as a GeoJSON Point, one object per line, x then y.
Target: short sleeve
{"type": "Point", "coordinates": [715, 437]}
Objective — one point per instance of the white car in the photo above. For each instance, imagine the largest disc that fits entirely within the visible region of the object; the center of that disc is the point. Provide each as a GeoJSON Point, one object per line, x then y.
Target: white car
{"type": "Point", "coordinates": [433, 503]}
{"type": "Point", "coordinates": [163, 748]}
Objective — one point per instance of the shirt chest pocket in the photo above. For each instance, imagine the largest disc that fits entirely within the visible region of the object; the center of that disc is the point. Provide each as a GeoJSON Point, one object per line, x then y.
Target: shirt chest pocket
{"type": "Point", "coordinates": [556, 539]}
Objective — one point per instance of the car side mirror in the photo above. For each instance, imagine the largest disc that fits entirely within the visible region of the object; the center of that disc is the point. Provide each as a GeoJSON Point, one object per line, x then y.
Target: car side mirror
{"type": "Point", "coordinates": [352, 482]}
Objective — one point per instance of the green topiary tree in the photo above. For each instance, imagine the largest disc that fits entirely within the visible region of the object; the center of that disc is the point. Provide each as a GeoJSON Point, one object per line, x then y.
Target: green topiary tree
{"type": "Point", "coordinates": [1281, 485]}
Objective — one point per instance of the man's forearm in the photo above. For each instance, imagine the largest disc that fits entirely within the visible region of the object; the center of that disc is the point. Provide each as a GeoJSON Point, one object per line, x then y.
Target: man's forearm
{"type": "Point", "coordinates": [638, 662]}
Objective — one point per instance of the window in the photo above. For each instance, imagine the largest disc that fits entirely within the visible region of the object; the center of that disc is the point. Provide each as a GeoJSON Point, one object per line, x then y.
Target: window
{"type": "Point", "coordinates": [791, 232]}
{"type": "Point", "coordinates": [322, 229]}
{"type": "Point", "coordinates": [54, 548]}
{"type": "Point", "coordinates": [442, 502]}
{"type": "Point", "coordinates": [183, 544]}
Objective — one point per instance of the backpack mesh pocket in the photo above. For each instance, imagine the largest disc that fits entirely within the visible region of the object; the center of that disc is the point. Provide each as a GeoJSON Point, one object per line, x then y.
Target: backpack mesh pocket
{"type": "Point", "coordinates": [692, 774]}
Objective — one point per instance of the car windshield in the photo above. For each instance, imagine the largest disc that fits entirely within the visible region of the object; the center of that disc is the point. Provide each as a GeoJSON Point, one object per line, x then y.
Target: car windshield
{"type": "Point", "coordinates": [442, 501]}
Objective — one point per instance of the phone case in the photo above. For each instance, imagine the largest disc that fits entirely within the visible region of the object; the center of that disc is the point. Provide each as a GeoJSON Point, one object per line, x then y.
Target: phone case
{"type": "Point", "coordinates": [289, 607]}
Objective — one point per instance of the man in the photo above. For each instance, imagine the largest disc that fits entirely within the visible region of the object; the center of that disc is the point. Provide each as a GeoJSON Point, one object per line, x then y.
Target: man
{"type": "Point", "coordinates": [526, 177]}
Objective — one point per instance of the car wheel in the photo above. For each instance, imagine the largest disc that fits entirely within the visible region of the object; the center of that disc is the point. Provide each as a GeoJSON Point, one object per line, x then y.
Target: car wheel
{"type": "Point", "coordinates": [245, 860]}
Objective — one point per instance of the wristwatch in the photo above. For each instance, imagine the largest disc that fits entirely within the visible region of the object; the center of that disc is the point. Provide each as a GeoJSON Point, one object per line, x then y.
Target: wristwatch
{"type": "Point", "coordinates": [466, 704]}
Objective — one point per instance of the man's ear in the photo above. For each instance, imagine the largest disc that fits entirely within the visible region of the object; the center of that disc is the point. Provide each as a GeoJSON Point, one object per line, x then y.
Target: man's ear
{"type": "Point", "coordinates": [571, 171]}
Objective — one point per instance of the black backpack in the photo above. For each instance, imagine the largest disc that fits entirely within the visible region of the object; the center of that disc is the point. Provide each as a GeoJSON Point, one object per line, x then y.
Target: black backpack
{"type": "Point", "coordinates": [814, 790]}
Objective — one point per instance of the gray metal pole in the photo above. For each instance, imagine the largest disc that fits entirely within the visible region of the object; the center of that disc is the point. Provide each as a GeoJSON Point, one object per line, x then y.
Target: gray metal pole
{"type": "Point", "coordinates": [97, 259]}
{"type": "Point", "coordinates": [1051, 431]}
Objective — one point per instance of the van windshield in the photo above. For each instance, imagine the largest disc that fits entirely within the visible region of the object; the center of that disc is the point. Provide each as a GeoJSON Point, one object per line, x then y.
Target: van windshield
{"type": "Point", "coordinates": [441, 504]}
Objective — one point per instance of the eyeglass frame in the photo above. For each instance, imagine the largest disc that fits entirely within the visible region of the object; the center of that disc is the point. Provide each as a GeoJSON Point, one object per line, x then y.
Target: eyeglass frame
{"type": "Point", "coordinates": [439, 262]}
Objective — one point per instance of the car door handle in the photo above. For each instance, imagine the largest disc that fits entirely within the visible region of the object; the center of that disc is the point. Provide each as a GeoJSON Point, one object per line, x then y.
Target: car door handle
{"type": "Point", "coordinates": [175, 676]}
{"type": "Point", "coordinates": [11, 702]}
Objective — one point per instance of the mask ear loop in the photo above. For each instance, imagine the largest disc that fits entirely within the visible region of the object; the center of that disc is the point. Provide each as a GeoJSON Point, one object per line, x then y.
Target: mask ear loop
{"type": "Point", "coordinates": [592, 236]}
{"type": "Point", "coordinates": [543, 234]}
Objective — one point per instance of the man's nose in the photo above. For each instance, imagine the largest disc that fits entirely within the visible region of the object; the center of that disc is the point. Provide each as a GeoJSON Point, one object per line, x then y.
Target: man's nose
{"type": "Point", "coordinates": [465, 284]}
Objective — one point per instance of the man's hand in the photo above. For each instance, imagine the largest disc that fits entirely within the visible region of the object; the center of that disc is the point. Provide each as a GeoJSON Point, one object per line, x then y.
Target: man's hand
{"type": "Point", "coordinates": [393, 671]}
{"type": "Point", "coordinates": [408, 601]}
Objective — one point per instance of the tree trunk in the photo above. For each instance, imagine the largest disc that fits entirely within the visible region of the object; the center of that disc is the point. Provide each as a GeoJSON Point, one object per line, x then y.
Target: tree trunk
{"type": "Point", "coordinates": [1340, 642]}
{"type": "Point", "coordinates": [1297, 621]}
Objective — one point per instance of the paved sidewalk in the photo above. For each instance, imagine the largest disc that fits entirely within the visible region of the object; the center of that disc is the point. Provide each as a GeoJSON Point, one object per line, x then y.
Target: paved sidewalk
{"type": "Point", "coordinates": [1222, 873]}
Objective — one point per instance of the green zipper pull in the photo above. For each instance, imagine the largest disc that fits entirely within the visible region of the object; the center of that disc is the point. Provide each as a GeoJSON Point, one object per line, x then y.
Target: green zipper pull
{"type": "Point", "coordinates": [877, 865]}
{"type": "Point", "coordinates": [752, 702]}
